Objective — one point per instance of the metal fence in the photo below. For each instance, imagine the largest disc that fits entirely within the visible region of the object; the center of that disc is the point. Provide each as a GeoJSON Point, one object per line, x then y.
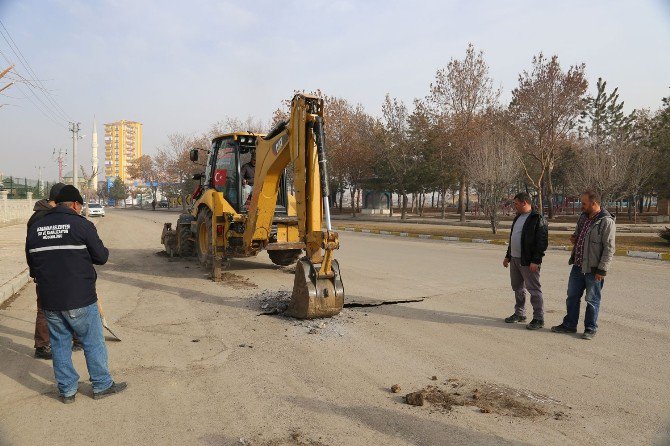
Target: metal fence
{"type": "Point", "coordinates": [19, 187]}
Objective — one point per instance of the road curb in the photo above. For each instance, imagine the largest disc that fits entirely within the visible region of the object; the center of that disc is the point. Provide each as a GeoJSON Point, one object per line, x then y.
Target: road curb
{"type": "Point", "coordinates": [619, 252]}
{"type": "Point", "coordinates": [14, 285]}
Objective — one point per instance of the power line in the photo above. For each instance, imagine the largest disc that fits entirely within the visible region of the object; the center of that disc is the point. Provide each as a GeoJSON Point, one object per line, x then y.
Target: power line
{"type": "Point", "coordinates": [46, 111]}
{"type": "Point", "coordinates": [33, 81]}
{"type": "Point", "coordinates": [27, 66]}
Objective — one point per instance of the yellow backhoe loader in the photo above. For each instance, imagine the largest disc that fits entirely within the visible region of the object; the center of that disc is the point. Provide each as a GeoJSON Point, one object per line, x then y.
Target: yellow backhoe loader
{"type": "Point", "coordinates": [230, 219]}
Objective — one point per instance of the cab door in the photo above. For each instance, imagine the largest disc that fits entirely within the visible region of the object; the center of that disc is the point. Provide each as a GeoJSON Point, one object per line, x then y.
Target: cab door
{"type": "Point", "coordinates": [225, 174]}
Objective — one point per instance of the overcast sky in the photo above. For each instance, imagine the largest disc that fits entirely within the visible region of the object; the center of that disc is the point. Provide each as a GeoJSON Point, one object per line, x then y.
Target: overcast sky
{"type": "Point", "coordinates": [180, 66]}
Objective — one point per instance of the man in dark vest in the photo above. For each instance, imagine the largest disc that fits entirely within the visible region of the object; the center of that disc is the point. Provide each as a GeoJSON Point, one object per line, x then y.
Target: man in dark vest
{"type": "Point", "coordinates": [61, 249]}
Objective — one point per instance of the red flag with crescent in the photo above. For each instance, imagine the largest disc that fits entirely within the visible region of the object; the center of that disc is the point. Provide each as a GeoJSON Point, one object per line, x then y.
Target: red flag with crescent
{"type": "Point", "coordinates": [220, 177]}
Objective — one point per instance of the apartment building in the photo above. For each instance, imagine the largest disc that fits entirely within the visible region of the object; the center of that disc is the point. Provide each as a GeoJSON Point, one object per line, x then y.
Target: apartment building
{"type": "Point", "coordinates": [123, 144]}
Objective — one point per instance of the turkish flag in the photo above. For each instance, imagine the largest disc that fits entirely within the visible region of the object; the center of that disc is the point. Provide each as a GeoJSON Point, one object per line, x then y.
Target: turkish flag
{"type": "Point", "coordinates": [220, 177]}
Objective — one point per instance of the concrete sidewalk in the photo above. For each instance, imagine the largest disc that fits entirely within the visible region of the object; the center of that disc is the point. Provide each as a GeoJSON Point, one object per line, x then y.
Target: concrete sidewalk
{"type": "Point", "coordinates": [13, 267]}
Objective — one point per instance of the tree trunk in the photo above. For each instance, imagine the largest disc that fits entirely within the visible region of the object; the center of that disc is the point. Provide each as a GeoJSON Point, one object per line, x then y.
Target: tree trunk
{"type": "Point", "coordinates": [540, 205]}
{"type": "Point", "coordinates": [358, 200]}
{"type": "Point", "coordinates": [443, 204]}
{"type": "Point", "coordinates": [432, 200]}
{"type": "Point", "coordinates": [494, 218]}
{"type": "Point", "coordinates": [550, 194]}
{"type": "Point", "coordinates": [403, 207]}
{"type": "Point", "coordinates": [461, 199]}
{"type": "Point", "coordinates": [353, 202]}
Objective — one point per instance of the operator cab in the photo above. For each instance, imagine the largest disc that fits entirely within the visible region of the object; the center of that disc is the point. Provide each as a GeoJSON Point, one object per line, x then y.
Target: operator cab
{"type": "Point", "coordinates": [228, 154]}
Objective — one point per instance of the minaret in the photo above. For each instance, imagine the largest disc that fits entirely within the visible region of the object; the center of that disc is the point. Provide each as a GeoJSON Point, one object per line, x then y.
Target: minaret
{"type": "Point", "coordinates": [94, 157]}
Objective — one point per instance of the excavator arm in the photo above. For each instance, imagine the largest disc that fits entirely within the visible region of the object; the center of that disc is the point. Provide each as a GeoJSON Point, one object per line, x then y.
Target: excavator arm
{"type": "Point", "coordinates": [300, 142]}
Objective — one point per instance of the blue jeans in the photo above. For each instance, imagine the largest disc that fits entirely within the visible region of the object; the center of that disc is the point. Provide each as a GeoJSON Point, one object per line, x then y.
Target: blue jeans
{"type": "Point", "coordinates": [577, 283]}
{"type": "Point", "coordinates": [85, 322]}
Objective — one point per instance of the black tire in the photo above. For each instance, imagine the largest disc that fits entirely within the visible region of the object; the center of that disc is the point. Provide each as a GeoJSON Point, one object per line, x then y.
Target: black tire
{"type": "Point", "coordinates": [203, 238]}
{"type": "Point", "coordinates": [185, 246]}
{"type": "Point", "coordinates": [285, 257]}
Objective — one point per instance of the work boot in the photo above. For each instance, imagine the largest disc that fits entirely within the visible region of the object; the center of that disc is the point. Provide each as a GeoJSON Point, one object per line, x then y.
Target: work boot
{"type": "Point", "coordinates": [563, 329]}
{"type": "Point", "coordinates": [515, 318]}
{"type": "Point", "coordinates": [535, 324]}
{"type": "Point", "coordinates": [68, 399]}
{"type": "Point", "coordinates": [111, 390]}
{"type": "Point", "coordinates": [43, 352]}
{"type": "Point", "coordinates": [588, 334]}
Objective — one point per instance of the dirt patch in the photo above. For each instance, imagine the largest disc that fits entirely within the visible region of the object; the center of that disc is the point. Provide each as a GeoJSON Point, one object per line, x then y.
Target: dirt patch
{"type": "Point", "coordinates": [272, 302]}
{"type": "Point", "coordinates": [296, 438]}
{"type": "Point", "coordinates": [237, 282]}
{"type": "Point", "coordinates": [488, 398]}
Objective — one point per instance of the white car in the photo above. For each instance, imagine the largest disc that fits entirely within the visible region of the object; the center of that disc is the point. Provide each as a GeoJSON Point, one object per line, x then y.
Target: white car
{"type": "Point", "coordinates": [95, 209]}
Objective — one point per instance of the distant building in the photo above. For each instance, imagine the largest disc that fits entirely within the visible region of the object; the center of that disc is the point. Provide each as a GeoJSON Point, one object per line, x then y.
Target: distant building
{"type": "Point", "coordinates": [123, 145]}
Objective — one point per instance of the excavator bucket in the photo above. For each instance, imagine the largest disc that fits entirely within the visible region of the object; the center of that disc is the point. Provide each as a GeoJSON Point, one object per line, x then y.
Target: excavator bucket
{"type": "Point", "coordinates": [315, 297]}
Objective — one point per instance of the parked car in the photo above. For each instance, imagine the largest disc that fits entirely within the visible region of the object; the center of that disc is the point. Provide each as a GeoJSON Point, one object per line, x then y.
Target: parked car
{"type": "Point", "coordinates": [94, 209]}
{"type": "Point", "coordinates": [163, 204]}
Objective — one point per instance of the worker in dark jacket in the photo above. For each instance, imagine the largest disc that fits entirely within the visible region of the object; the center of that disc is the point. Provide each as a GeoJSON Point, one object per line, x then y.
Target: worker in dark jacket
{"type": "Point", "coordinates": [61, 249]}
{"type": "Point", "coordinates": [42, 344]}
{"type": "Point", "coordinates": [248, 170]}
{"type": "Point", "coordinates": [527, 243]}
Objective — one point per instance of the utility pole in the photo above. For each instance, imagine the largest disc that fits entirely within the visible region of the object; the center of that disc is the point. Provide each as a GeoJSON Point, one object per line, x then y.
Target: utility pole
{"type": "Point", "coordinates": [60, 159]}
{"type": "Point", "coordinates": [74, 128]}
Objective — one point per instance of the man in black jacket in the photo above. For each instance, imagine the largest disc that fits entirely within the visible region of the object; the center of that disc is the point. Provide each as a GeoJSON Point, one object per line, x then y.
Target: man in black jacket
{"type": "Point", "coordinates": [42, 344]}
{"type": "Point", "coordinates": [61, 249]}
{"type": "Point", "coordinates": [527, 243]}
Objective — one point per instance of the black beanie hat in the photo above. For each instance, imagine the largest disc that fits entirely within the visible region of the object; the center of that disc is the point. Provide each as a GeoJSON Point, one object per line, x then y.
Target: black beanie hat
{"type": "Point", "coordinates": [69, 193]}
{"type": "Point", "coordinates": [54, 191]}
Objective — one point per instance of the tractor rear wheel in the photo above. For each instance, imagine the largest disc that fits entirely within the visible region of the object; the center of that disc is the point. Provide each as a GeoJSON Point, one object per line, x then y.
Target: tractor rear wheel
{"type": "Point", "coordinates": [185, 246]}
{"type": "Point", "coordinates": [285, 257]}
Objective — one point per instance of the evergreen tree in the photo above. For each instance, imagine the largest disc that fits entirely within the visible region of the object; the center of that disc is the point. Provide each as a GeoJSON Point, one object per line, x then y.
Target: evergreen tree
{"type": "Point", "coordinates": [603, 118]}
{"type": "Point", "coordinates": [660, 141]}
{"type": "Point", "coordinates": [118, 191]}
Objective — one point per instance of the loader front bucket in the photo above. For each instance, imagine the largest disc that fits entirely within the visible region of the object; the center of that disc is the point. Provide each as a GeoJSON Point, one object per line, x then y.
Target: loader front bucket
{"type": "Point", "coordinates": [313, 297]}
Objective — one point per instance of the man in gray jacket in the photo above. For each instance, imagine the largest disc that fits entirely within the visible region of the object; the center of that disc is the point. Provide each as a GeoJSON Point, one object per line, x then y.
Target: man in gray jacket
{"type": "Point", "coordinates": [591, 257]}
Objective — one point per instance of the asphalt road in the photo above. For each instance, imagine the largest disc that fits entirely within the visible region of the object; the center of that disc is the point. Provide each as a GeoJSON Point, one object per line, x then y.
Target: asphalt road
{"type": "Point", "coordinates": [204, 367]}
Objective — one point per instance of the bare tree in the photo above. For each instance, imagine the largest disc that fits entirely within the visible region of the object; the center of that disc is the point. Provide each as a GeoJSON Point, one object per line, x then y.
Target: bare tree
{"type": "Point", "coordinates": [492, 164]}
{"type": "Point", "coordinates": [232, 124]}
{"type": "Point", "coordinates": [459, 93]}
{"type": "Point", "coordinates": [546, 105]}
{"type": "Point", "coordinates": [398, 157]}
{"type": "Point", "coordinates": [144, 169]}
{"type": "Point", "coordinates": [174, 167]}
{"type": "Point", "coordinates": [358, 160]}
{"type": "Point", "coordinates": [88, 189]}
